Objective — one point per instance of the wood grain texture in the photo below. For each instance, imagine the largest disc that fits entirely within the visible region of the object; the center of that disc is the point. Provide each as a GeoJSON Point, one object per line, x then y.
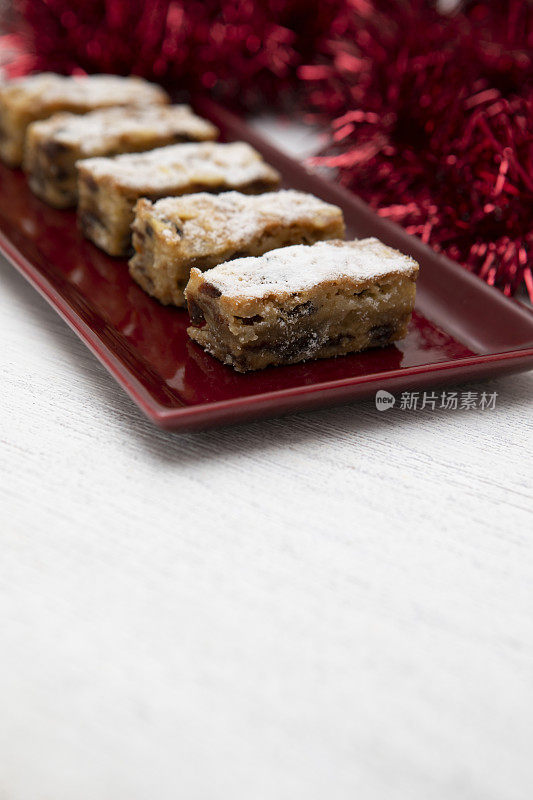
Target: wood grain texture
{"type": "Point", "coordinates": [329, 605]}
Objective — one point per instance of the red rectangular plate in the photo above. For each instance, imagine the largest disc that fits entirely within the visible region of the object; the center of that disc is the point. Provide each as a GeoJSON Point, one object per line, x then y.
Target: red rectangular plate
{"type": "Point", "coordinates": [462, 329]}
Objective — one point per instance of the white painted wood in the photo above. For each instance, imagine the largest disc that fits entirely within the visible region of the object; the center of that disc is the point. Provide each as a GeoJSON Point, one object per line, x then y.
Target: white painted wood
{"type": "Point", "coordinates": [334, 604]}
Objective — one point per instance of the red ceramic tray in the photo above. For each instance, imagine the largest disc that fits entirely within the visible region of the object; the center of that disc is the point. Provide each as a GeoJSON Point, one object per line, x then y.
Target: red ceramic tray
{"type": "Point", "coordinates": [462, 329]}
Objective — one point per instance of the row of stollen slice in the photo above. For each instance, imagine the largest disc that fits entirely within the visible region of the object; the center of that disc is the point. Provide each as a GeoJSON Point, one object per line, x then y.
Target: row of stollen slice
{"type": "Point", "coordinates": [266, 274]}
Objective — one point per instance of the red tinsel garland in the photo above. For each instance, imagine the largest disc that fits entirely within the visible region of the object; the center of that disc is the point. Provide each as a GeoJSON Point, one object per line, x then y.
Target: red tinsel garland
{"type": "Point", "coordinates": [243, 51]}
{"type": "Point", "coordinates": [430, 115]}
{"type": "Point", "coordinates": [432, 124]}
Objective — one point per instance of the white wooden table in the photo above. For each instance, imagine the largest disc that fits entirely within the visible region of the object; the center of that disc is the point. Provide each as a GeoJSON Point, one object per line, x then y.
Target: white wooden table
{"type": "Point", "coordinates": [334, 604]}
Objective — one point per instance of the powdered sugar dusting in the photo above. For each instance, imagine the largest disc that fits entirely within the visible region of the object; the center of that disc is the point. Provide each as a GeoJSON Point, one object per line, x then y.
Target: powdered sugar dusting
{"type": "Point", "coordinates": [178, 167]}
{"type": "Point", "coordinates": [99, 131]}
{"type": "Point", "coordinates": [91, 91]}
{"type": "Point", "coordinates": [290, 270]}
{"type": "Point", "coordinates": [210, 222]}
